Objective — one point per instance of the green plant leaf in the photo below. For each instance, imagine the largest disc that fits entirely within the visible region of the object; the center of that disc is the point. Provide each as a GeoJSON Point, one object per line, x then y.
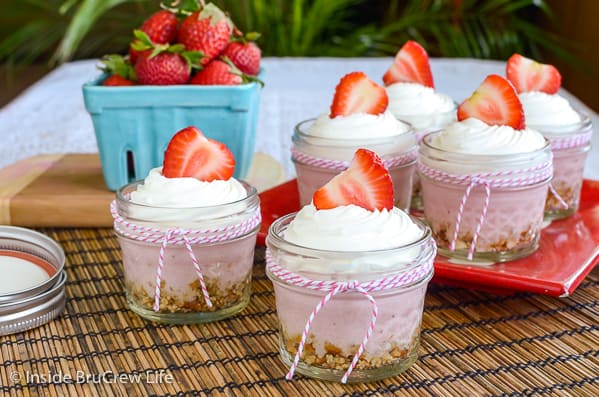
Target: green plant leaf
{"type": "Point", "coordinates": [86, 15]}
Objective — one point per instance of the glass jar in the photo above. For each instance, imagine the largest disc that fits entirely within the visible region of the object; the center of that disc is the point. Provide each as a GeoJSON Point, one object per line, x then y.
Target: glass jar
{"type": "Point", "coordinates": [338, 329]}
{"type": "Point", "coordinates": [424, 124]}
{"type": "Point", "coordinates": [570, 145]}
{"type": "Point", "coordinates": [317, 160]}
{"type": "Point", "coordinates": [187, 265]}
{"type": "Point", "coordinates": [484, 207]}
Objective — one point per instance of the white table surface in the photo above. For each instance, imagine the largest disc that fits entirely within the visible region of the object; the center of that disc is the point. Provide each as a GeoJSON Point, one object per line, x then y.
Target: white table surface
{"type": "Point", "coordinates": [50, 117]}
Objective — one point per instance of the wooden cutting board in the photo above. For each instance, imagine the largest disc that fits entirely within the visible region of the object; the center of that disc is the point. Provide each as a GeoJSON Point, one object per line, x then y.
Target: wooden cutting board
{"type": "Point", "coordinates": [68, 190]}
{"type": "Point", "coordinates": [55, 190]}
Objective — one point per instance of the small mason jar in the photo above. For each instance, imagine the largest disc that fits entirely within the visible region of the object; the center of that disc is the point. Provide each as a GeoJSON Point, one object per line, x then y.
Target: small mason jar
{"type": "Point", "coordinates": [424, 124]}
{"type": "Point", "coordinates": [484, 207]}
{"type": "Point", "coordinates": [206, 281]}
{"type": "Point", "coordinates": [338, 329]}
{"type": "Point", "coordinates": [570, 145]}
{"type": "Point", "coordinates": [317, 160]}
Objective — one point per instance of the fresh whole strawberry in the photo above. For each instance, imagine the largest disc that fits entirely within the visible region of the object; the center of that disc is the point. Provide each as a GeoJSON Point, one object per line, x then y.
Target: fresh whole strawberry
{"type": "Point", "coordinates": [410, 65]}
{"type": "Point", "coordinates": [207, 31]}
{"type": "Point", "coordinates": [528, 75]}
{"type": "Point", "coordinates": [161, 28]}
{"type": "Point", "coordinates": [244, 53]}
{"type": "Point", "coordinates": [120, 70]}
{"type": "Point", "coordinates": [191, 154]}
{"type": "Point", "coordinates": [356, 93]}
{"type": "Point", "coordinates": [166, 68]}
{"type": "Point", "coordinates": [162, 64]}
{"type": "Point", "coordinates": [218, 72]}
{"type": "Point", "coordinates": [495, 102]}
{"type": "Point", "coordinates": [117, 81]}
{"type": "Point", "coordinates": [366, 183]}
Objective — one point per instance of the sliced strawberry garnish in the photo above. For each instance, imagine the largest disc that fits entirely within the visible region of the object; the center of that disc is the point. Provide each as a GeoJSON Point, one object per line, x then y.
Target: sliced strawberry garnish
{"type": "Point", "coordinates": [191, 154]}
{"type": "Point", "coordinates": [495, 102]}
{"type": "Point", "coordinates": [410, 65]}
{"type": "Point", "coordinates": [356, 93]}
{"type": "Point", "coordinates": [528, 75]}
{"type": "Point", "coordinates": [366, 183]}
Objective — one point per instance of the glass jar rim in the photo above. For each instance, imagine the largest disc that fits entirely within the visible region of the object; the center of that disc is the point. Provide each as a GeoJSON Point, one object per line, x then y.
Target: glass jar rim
{"type": "Point", "coordinates": [120, 198]}
{"type": "Point", "coordinates": [474, 157]}
{"type": "Point", "coordinates": [299, 134]}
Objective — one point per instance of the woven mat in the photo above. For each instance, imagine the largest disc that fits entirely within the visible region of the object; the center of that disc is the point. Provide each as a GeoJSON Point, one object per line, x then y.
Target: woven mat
{"type": "Point", "coordinates": [472, 343]}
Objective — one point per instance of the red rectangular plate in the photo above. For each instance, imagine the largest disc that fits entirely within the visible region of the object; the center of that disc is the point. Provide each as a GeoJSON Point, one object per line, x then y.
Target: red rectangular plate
{"type": "Point", "coordinates": [568, 250]}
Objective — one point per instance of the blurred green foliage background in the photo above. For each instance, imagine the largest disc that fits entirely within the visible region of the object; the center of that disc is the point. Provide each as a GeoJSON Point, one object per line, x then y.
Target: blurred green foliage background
{"type": "Point", "coordinates": [59, 30]}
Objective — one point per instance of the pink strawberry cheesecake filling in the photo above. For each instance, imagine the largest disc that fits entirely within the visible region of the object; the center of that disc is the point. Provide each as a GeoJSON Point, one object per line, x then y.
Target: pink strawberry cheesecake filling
{"type": "Point", "coordinates": [178, 228]}
{"type": "Point", "coordinates": [350, 241]}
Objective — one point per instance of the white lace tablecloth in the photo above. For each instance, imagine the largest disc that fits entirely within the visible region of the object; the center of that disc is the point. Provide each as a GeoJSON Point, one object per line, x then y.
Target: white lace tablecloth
{"type": "Point", "coordinates": [50, 117]}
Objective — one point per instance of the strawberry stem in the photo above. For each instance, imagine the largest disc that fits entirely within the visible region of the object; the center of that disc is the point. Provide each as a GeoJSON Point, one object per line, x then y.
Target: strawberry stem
{"type": "Point", "coordinates": [193, 58]}
{"type": "Point", "coordinates": [118, 65]}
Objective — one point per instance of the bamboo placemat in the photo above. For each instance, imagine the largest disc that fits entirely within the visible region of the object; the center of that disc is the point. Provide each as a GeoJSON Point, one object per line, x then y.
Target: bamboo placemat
{"type": "Point", "coordinates": [472, 343]}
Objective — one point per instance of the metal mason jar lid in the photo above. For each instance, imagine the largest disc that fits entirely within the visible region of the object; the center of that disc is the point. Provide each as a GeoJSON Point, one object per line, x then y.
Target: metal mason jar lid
{"type": "Point", "coordinates": [29, 301]}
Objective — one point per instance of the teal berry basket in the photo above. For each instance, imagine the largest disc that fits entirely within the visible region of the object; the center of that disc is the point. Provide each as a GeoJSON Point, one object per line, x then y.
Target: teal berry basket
{"type": "Point", "coordinates": [134, 124]}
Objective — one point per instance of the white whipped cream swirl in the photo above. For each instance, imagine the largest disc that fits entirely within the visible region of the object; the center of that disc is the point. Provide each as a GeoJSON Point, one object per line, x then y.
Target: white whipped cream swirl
{"type": "Point", "coordinates": [544, 111]}
{"type": "Point", "coordinates": [357, 126]}
{"type": "Point", "coordinates": [338, 138]}
{"type": "Point", "coordinates": [473, 136]}
{"type": "Point", "coordinates": [420, 106]}
{"type": "Point", "coordinates": [351, 228]}
{"type": "Point", "coordinates": [160, 191]}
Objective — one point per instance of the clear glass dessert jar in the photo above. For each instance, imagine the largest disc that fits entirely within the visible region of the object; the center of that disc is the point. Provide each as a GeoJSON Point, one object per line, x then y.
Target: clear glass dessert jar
{"type": "Point", "coordinates": [317, 160]}
{"type": "Point", "coordinates": [187, 265]}
{"type": "Point", "coordinates": [348, 325]}
{"type": "Point", "coordinates": [484, 207]}
{"type": "Point", "coordinates": [570, 145]}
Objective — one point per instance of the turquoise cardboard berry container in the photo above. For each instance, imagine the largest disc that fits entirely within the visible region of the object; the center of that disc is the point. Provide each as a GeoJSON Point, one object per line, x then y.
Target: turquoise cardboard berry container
{"type": "Point", "coordinates": [134, 125]}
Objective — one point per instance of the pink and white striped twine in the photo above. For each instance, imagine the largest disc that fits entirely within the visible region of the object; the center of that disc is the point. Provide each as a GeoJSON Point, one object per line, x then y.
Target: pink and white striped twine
{"type": "Point", "coordinates": [499, 179]}
{"type": "Point", "coordinates": [340, 165]}
{"type": "Point", "coordinates": [569, 142]}
{"type": "Point", "coordinates": [332, 288]}
{"type": "Point", "coordinates": [180, 236]}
